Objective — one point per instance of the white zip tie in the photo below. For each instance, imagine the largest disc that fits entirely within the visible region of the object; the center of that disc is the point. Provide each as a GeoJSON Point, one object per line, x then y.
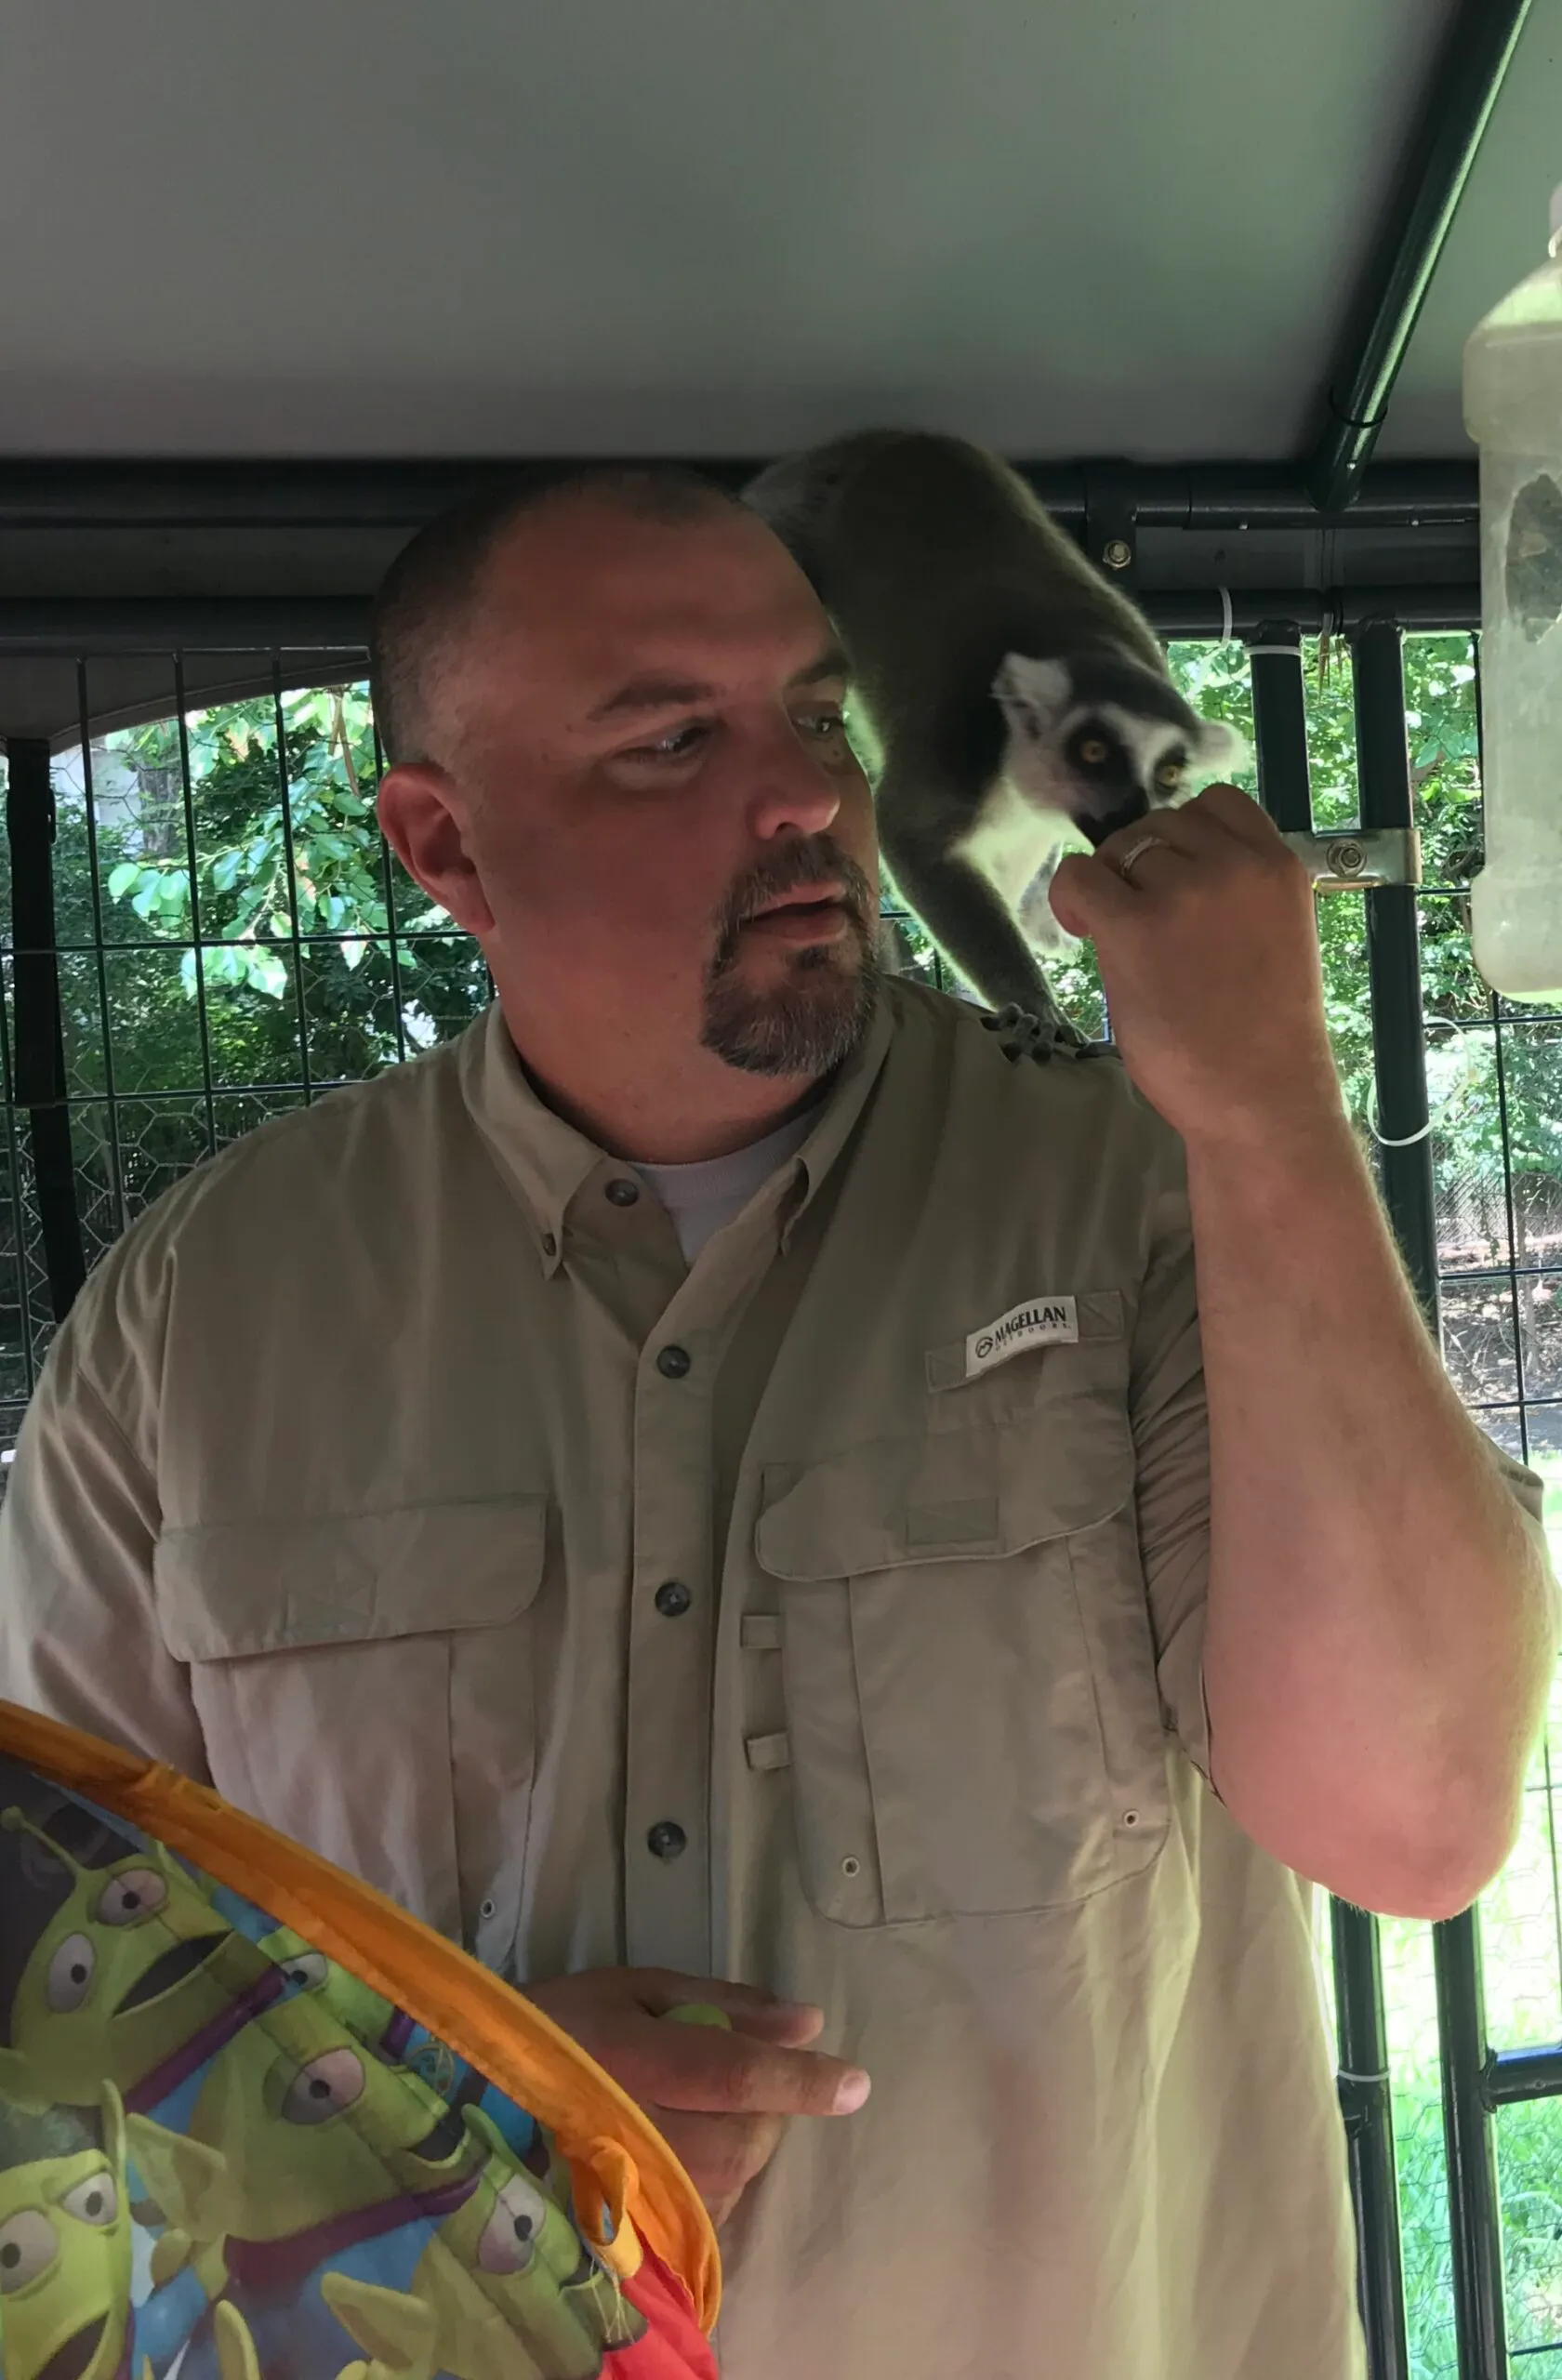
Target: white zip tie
{"type": "Point", "coordinates": [1410, 1140]}
{"type": "Point", "coordinates": [1291, 652]}
{"type": "Point", "coordinates": [1224, 593]}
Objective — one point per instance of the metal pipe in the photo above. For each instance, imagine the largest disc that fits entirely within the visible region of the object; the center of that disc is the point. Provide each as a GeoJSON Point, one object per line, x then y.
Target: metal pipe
{"type": "Point", "coordinates": [142, 495]}
{"type": "Point", "coordinates": [1201, 612]}
{"type": "Point", "coordinates": [1516, 2075]}
{"type": "Point", "coordinates": [311, 624]}
{"type": "Point", "coordinates": [1462, 91]}
{"type": "Point", "coordinates": [1475, 2219]}
{"type": "Point", "coordinates": [1394, 961]}
{"type": "Point", "coordinates": [1285, 784]}
{"type": "Point", "coordinates": [210, 624]}
{"type": "Point", "coordinates": [1366, 2104]}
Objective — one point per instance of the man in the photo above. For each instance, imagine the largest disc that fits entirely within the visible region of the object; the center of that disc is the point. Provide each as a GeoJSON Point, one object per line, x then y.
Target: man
{"type": "Point", "coordinates": [714, 1477]}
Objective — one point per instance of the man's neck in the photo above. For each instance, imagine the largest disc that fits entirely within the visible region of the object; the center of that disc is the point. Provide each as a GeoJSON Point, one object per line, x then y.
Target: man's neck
{"type": "Point", "coordinates": [673, 1116]}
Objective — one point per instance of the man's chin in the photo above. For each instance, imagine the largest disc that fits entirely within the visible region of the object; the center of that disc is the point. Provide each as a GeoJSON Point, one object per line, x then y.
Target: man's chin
{"type": "Point", "coordinates": [804, 1018]}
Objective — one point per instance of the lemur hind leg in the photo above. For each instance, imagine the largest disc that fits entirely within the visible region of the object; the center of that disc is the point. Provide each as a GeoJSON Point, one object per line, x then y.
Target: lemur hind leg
{"type": "Point", "coordinates": [978, 938]}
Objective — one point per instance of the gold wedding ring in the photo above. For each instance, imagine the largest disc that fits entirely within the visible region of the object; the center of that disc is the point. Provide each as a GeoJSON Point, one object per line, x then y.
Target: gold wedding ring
{"type": "Point", "coordinates": [1136, 851]}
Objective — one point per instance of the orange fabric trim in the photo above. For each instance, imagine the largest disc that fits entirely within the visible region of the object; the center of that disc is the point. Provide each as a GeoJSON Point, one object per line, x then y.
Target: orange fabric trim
{"type": "Point", "coordinates": [505, 2036]}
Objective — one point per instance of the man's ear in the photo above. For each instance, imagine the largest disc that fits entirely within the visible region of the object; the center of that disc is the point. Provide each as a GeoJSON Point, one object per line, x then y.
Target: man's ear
{"type": "Point", "coordinates": [418, 820]}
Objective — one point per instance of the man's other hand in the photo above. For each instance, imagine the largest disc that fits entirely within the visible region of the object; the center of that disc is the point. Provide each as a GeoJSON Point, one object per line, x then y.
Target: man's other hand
{"type": "Point", "coordinates": [721, 2099]}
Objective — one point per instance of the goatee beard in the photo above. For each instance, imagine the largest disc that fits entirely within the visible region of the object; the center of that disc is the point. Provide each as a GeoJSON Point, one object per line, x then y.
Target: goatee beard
{"type": "Point", "coordinates": [813, 1020]}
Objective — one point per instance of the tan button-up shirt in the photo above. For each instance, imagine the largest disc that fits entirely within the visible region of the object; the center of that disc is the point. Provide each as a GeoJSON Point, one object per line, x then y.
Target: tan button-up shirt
{"type": "Point", "coordinates": [827, 1616]}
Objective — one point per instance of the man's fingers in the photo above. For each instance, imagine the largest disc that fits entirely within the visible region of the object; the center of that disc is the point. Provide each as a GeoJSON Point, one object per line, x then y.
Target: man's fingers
{"type": "Point", "coordinates": [1237, 814]}
{"type": "Point", "coordinates": [720, 2154]}
{"type": "Point", "coordinates": [1086, 894]}
{"type": "Point", "coordinates": [700, 2068]}
{"type": "Point", "coordinates": [660, 1990]}
{"type": "Point", "coordinates": [792, 2025]}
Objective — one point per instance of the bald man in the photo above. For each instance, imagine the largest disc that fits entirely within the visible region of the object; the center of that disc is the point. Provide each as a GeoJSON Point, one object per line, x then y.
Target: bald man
{"type": "Point", "coordinates": [717, 1486]}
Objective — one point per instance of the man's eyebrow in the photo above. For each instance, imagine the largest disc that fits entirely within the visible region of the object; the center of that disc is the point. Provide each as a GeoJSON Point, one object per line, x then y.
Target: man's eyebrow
{"type": "Point", "coordinates": [831, 663]}
{"type": "Point", "coordinates": [652, 694]}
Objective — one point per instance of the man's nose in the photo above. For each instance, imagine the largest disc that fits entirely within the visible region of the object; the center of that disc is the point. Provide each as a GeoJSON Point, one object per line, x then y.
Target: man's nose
{"type": "Point", "coordinates": [794, 792]}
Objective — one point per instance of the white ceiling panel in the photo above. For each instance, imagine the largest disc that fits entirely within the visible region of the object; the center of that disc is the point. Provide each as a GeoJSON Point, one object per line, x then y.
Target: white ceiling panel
{"type": "Point", "coordinates": [331, 228]}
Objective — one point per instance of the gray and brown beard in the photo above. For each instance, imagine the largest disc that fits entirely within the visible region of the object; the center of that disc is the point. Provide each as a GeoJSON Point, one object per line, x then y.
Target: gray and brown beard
{"type": "Point", "coordinates": [815, 1018]}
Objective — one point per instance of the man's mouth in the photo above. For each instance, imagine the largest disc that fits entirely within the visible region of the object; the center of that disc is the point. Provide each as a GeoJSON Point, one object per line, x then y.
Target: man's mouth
{"type": "Point", "coordinates": [809, 913]}
{"type": "Point", "coordinates": [809, 897]}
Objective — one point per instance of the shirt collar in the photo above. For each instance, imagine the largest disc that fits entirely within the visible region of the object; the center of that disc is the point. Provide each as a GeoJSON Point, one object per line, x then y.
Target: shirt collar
{"type": "Point", "coordinates": [550, 1163]}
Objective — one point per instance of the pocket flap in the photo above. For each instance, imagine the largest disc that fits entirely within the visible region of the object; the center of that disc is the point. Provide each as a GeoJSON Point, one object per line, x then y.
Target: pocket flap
{"type": "Point", "coordinates": [952, 1495]}
{"type": "Point", "coordinates": [237, 1588]}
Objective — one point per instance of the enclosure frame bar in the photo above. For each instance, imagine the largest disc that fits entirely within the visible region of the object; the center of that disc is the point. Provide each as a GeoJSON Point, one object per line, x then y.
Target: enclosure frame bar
{"type": "Point", "coordinates": [339, 624]}
{"type": "Point", "coordinates": [155, 494]}
{"type": "Point", "coordinates": [1461, 92]}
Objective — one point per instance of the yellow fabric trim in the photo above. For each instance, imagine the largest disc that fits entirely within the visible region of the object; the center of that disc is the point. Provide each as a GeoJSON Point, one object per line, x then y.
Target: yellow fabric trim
{"type": "Point", "coordinates": [484, 2020]}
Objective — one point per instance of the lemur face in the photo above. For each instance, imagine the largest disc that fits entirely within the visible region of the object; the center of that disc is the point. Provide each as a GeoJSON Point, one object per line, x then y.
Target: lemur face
{"type": "Point", "coordinates": [1100, 740]}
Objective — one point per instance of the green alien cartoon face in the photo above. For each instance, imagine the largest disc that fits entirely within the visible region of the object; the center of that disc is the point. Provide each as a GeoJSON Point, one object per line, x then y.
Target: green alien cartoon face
{"type": "Point", "coordinates": [64, 2245]}
{"type": "Point", "coordinates": [296, 2126]}
{"type": "Point", "coordinates": [505, 2291]}
{"type": "Point", "coordinates": [131, 1967]}
{"type": "Point", "coordinates": [362, 2010]}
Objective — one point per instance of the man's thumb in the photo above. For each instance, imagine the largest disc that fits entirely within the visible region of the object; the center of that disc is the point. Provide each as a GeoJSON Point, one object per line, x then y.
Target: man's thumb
{"type": "Point", "coordinates": [1068, 894]}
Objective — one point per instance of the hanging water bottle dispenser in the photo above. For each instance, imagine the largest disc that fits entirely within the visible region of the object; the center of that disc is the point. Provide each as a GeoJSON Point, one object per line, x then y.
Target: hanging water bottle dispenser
{"type": "Point", "coordinates": [1513, 409]}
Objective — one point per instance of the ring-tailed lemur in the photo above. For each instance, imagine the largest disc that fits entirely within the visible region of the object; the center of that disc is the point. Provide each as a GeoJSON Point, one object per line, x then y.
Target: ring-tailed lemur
{"type": "Point", "coordinates": [1014, 702]}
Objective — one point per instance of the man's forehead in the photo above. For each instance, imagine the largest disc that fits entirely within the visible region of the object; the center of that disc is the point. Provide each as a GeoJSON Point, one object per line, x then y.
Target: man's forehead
{"type": "Point", "coordinates": [625, 599]}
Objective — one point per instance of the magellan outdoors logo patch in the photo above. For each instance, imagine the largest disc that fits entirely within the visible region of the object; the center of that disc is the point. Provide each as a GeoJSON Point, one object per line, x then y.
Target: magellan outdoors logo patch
{"type": "Point", "coordinates": [1040, 1322]}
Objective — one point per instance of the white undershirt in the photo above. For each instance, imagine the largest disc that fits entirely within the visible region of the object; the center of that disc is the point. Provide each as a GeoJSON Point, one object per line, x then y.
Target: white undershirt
{"type": "Point", "coordinates": [703, 1197]}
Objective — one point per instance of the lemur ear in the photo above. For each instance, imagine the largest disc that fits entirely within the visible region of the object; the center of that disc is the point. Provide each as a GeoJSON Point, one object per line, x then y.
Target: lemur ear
{"type": "Point", "coordinates": [1220, 746]}
{"type": "Point", "coordinates": [1032, 694]}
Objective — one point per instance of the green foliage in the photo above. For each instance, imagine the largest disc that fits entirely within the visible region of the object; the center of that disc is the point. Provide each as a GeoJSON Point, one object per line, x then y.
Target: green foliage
{"type": "Point", "coordinates": [300, 979]}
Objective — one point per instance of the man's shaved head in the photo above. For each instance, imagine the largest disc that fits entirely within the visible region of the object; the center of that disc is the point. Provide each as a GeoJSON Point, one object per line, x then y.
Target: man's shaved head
{"type": "Point", "coordinates": [428, 595]}
{"type": "Point", "coordinates": [615, 712]}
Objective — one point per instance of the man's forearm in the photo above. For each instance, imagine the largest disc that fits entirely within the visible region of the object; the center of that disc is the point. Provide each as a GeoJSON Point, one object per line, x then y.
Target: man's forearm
{"type": "Point", "coordinates": [1380, 1628]}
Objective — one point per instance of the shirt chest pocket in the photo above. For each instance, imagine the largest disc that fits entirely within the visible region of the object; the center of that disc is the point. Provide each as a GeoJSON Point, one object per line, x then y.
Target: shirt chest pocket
{"type": "Point", "coordinates": [969, 1669]}
{"type": "Point", "coordinates": [365, 1684]}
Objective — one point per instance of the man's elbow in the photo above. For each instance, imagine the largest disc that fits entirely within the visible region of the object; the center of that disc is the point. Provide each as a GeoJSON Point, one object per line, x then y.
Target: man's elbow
{"type": "Point", "coordinates": [1433, 1888]}
{"type": "Point", "coordinates": [1427, 1855]}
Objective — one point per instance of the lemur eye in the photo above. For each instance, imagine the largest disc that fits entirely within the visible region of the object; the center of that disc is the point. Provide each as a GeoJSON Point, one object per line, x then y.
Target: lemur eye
{"type": "Point", "coordinates": [1092, 751]}
{"type": "Point", "coordinates": [1169, 773]}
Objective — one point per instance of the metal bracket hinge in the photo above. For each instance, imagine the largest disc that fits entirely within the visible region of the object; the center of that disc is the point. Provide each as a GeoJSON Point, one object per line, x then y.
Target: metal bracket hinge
{"type": "Point", "coordinates": [1346, 860]}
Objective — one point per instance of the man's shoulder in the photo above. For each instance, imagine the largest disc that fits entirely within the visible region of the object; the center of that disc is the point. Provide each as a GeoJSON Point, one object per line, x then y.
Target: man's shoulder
{"type": "Point", "coordinates": [998, 1073]}
{"type": "Point", "coordinates": [360, 1138]}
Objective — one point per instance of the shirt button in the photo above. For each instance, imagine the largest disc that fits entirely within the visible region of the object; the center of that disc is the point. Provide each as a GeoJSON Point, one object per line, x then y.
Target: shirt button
{"type": "Point", "coordinates": [490, 1909]}
{"type": "Point", "coordinates": [674, 1600]}
{"type": "Point", "coordinates": [667, 1839]}
{"type": "Point", "coordinates": [622, 1192]}
{"type": "Point", "coordinates": [674, 1363]}
{"type": "Point", "coordinates": [550, 1245]}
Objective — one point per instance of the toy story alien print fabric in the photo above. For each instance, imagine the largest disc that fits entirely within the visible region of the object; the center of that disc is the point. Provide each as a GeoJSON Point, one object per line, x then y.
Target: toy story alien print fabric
{"type": "Point", "coordinates": [255, 2123]}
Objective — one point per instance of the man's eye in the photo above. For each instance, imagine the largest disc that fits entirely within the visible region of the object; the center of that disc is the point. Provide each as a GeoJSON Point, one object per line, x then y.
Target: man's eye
{"type": "Point", "coordinates": [822, 724]}
{"type": "Point", "coordinates": [677, 746]}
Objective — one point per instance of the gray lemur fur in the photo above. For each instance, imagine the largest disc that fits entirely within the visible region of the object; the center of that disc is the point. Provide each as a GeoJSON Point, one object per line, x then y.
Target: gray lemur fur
{"type": "Point", "coordinates": [1014, 702]}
